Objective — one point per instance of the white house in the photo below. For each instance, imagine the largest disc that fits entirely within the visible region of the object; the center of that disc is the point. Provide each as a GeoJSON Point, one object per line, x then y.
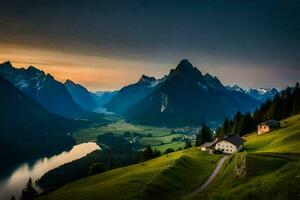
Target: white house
{"type": "Point", "coordinates": [230, 144]}
{"type": "Point", "coordinates": [267, 126]}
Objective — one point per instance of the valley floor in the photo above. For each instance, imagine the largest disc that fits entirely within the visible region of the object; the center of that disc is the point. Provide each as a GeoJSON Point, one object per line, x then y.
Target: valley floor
{"type": "Point", "coordinates": [159, 138]}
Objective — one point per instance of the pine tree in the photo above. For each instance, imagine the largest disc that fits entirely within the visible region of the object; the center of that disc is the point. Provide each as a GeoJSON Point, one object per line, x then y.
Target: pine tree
{"type": "Point", "coordinates": [188, 144]}
{"type": "Point", "coordinates": [198, 139]}
{"type": "Point", "coordinates": [296, 102]}
{"type": "Point", "coordinates": [220, 133]}
{"type": "Point", "coordinates": [204, 135]}
{"type": "Point", "coordinates": [237, 123]}
{"type": "Point", "coordinates": [247, 124]}
{"type": "Point", "coordinates": [147, 153]}
{"type": "Point", "coordinates": [29, 193]}
{"type": "Point", "coordinates": [225, 127]}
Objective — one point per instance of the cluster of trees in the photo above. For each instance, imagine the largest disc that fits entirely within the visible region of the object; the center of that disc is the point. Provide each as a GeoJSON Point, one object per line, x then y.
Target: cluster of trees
{"type": "Point", "coordinates": [28, 193]}
{"type": "Point", "coordinates": [283, 105]}
{"type": "Point", "coordinates": [148, 153]}
{"type": "Point", "coordinates": [203, 136]}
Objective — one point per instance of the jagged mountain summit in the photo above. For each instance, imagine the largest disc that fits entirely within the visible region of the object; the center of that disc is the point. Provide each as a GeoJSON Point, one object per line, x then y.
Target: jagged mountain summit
{"type": "Point", "coordinates": [52, 94]}
{"type": "Point", "coordinates": [184, 97]}
{"type": "Point", "coordinates": [236, 88]}
{"type": "Point", "coordinates": [132, 94]}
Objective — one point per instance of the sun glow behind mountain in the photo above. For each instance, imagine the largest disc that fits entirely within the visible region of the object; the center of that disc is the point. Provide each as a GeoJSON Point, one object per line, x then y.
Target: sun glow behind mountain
{"type": "Point", "coordinates": [111, 73]}
{"type": "Point", "coordinates": [95, 72]}
{"type": "Point", "coordinates": [105, 45]}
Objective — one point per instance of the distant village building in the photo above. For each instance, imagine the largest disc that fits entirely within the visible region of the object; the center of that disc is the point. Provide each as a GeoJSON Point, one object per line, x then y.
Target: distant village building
{"type": "Point", "coordinates": [267, 126]}
{"type": "Point", "coordinates": [230, 144]}
{"type": "Point", "coordinates": [207, 146]}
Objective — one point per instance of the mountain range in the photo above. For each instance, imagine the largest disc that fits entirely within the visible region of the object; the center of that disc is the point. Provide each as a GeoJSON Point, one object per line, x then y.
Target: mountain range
{"type": "Point", "coordinates": [52, 94]}
{"type": "Point", "coordinates": [184, 97]}
{"type": "Point", "coordinates": [261, 94]}
{"type": "Point", "coordinates": [28, 130]}
{"type": "Point", "coordinates": [132, 94]}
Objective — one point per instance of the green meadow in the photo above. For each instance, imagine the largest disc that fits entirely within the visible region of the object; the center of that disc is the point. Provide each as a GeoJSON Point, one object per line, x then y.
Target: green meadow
{"type": "Point", "coordinates": [283, 140]}
{"type": "Point", "coordinates": [166, 177]}
{"type": "Point", "coordinates": [270, 167]}
{"type": "Point", "coordinates": [159, 138]}
{"type": "Point", "coordinates": [118, 127]}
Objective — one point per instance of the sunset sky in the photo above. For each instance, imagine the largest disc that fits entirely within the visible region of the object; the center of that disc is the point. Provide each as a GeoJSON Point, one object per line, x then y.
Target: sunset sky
{"type": "Point", "coordinates": [105, 45]}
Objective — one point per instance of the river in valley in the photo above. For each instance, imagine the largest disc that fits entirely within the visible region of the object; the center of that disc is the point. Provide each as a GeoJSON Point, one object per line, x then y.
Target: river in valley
{"type": "Point", "coordinates": [16, 181]}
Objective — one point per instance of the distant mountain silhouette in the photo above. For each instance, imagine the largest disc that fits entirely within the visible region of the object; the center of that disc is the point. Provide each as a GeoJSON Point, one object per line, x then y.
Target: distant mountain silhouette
{"type": "Point", "coordinates": [261, 94]}
{"type": "Point", "coordinates": [186, 97]}
{"type": "Point", "coordinates": [28, 130]}
{"type": "Point", "coordinates": [81, 95]}
{"type": "Point", "coordinates": [103, 97]}
{"type": "Point", "coordinates": [52, 94]}
{"type": "Point", "coordinates": [132, 94]}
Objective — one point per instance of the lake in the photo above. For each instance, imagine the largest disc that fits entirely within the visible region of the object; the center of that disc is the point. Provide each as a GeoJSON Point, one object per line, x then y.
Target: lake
{"type": "Point", "coordinates": [16, 181]}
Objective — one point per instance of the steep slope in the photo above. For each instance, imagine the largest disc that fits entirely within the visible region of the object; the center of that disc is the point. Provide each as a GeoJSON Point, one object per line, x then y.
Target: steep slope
{"type": "Point", "coordinates": [262, 177]}
{"type": "Point", "coordinates": [187, 97]}
{"type": "Point", "coordinates": [269, 169]}
{"type": "Point", "coordinates": [283, 140]}
{"type": "Point", "coordinates": [28, 130]}
{"type": "Point", "coordinates": [167, 177]}
{"type": "Point", "coordinates": [42, 87]}
{"type": "Point", "coordinates": [131, 94]}
{"type": "Point", "coordinates": [81, 95]}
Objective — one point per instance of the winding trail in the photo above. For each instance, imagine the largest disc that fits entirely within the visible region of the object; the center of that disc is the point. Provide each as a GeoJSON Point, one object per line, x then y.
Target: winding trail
{"type": "Point", "coordinates": [209, 180]}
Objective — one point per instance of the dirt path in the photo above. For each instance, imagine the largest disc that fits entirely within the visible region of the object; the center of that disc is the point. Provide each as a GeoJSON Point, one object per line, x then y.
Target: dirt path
{"type": "Point", "coordinates": [209, 180]}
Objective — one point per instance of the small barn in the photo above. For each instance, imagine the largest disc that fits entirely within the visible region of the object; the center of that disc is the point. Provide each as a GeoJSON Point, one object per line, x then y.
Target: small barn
{"type": "Point", "coordinates": [231, 144]}
{"type": "Point", "coordinates": [267, 126]}
{"type": "Point", "coordinates": [208, 145]}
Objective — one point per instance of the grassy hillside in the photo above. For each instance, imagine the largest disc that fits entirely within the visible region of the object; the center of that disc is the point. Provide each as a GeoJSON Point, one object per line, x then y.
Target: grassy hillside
{"type": "Point", "coordinates": [166, 177]}
{"type": "Point", "coordinates": [269, 169]}
{"type": "Point", "coordinates": [262, 177]}
{"type": "Point", "coordinates": [283, 140]}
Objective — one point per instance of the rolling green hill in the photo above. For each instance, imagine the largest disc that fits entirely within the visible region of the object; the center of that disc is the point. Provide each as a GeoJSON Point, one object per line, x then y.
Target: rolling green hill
{"type": "Point", "coordinates": [269, 169]}
{"type": "Point", "coordinates": [283, 140]}
{"type": "Point", "coordinates": [167, 177]}
{"type": "Point", "coordinates": [262, 177]}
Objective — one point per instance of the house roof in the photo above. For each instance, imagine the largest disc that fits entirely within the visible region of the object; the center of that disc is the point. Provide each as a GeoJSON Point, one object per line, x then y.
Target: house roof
{"type": "Point", "coordinates": [234, 139]}
{"type": "Point", "coordinates": [271, 123]}
{"type": "Point", "coordinates": [209, 144]}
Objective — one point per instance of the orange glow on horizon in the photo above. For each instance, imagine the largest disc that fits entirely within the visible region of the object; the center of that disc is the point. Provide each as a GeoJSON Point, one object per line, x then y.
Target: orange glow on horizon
{"type": "Point", "coordinates": [94, 72]}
